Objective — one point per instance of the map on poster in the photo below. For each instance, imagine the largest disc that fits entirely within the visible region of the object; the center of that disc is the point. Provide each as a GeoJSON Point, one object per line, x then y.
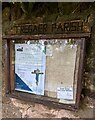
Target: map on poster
{"type": "Point", "coordinates": [30, 64]}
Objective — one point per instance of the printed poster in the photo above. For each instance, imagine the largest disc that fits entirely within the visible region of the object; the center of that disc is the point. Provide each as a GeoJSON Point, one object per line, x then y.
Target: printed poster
{"type": "Point", "coordinates": [30, 64]}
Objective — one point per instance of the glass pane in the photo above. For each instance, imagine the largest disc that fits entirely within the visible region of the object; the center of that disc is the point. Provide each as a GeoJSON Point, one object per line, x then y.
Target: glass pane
{"type": "Point", "coordinates": [47, 67]}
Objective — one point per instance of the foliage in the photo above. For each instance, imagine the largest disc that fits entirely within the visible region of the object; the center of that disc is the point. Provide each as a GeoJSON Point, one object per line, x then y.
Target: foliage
{"type": "Point", "coordinates": [52, 7]}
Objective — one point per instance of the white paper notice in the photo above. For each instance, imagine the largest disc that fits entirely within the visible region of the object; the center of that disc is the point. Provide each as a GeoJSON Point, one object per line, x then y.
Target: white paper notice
{"type": "Point", "coordinates": [65, 93]}
{"type": "Point", "coordinates": [30, 63]}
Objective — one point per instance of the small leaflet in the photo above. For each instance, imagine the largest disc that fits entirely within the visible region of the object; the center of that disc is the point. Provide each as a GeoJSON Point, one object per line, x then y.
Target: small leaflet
{"type": "Point", "coordinates": [65, 93]}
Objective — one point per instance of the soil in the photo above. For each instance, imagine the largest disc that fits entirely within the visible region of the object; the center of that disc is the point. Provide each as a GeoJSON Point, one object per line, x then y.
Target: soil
{"type": "Point", "coordinates": [15, 108]}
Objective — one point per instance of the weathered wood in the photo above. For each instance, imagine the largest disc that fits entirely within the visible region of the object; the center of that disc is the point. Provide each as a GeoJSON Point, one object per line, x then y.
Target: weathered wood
{"type": "Point", "coordinates": [37, 37]}
{"type": "Point", "coordinates": [41, 100]}
{"type": "Point", "coordinates": [80, 72]}
{"type": "Point", "coordinates": [12, 75]}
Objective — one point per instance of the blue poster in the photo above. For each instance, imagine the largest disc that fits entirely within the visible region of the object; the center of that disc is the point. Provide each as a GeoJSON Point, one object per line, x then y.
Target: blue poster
{"type": "Point", "coordinates": [30, 64]}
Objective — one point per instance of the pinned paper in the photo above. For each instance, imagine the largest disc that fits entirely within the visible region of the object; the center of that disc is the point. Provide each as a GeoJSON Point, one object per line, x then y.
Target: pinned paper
{"type": "Point", "coordinates": [65, 93]}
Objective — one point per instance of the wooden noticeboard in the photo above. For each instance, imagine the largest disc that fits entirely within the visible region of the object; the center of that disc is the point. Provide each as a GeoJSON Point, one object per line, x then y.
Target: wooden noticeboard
{"type": "Point", "coordinates": [46, 67]}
